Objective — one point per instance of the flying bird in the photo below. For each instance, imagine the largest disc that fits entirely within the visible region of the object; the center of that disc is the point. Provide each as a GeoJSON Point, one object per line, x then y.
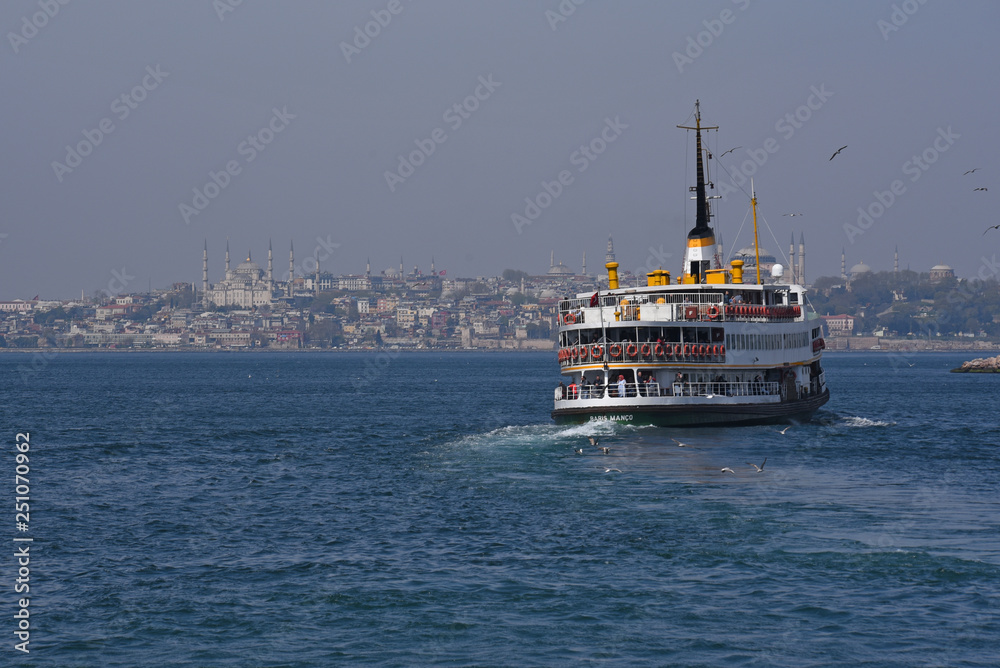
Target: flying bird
{"type": "Point", "coordinates": [726, 469]}
{"type": "Point", "coordinates": [682, 445]}
{"type": "Point", "coordinates": [975, 189]}
{"type": "Point", "coordinates": [837, 152]}
{"type": "Point", "coordinates": [593, 441]}
{"type": "Point", "coordinates": [782, 432]}
{"type": "Point", "coordinates": [731, 150]}
{"type": "Point", "coordinates": [610, 470]}
{"type": "Point", "coordinates": [991, 227]}
{"type": "Point", "coordinates": [970, 171]}
{"type": "Point", "coordinates": [760, 469]}
{"type": "Point", "coordinates": [791, 214]}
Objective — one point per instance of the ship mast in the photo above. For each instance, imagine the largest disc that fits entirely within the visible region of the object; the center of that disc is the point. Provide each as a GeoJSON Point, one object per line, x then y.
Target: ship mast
{"type": "Point", "coordinates": [756, 246]}
{"type": "Point", "coordinates": [701, 238]}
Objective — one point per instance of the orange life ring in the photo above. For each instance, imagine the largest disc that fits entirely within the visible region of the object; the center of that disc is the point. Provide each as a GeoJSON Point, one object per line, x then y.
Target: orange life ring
{"type": "Point", "coordinates": [597, 353]}
{"type": "Point", "coordinates": [631, 350]}
{"type": "Point", "coordinates": [744, 311]}
{"type": "Point", "coordinates": [687, 349]}
{"type": "Point", "coordinates": [562, 355]}
{"type": "Point", "coordinates": [615, 350]}
{"type": "Point", "coordinates": [722, 350]}
{"type": "Point", "coordinates": [677, 350]}
{"type": "Point", "coordinates": [702, 350]}
{"type": "Point", "coordinates": [715, 351]}
{"type": "Point", "coordinates": [574, 353]}
{"type": "Point", "coordinates": [658, 350]}
{"type": "Point", "coordinates": [569, 319]}
{"type": "Point", "coordinates": [584, 351]}
{"type": "Point", "coordinates": [645, 350]}
{"type": "Point", "coordinates": [713, 312]}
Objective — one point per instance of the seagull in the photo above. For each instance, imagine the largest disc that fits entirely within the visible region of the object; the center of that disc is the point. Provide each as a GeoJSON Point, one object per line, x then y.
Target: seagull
{"type": "Point", "coordinates": [593, 441]}
{"type": "Point", "coordinates": [782, 432]}
{"type": "Point", "coordinates": [579, 451]}
{"type": "Point", "coordinates": [726, 469]}
{"type": "Point", "coordinates": [975, 189]}
{"type": "Point", "coordinates": [606, 451]}
{"type": "Point", "coordinates": [760, 469]}
{"type": "Point", "coordinates": [970, 171]}
{"type": "Point", "coordinates": [992, 227]}
{"type": "Point", "coordinates": [791, 214]}
{"type": "Point", "coordinates": [610, 470]}
{"type": "Point", "coordinates": [731, 150]}
{"type": "Point", "coordinates": [679, 444]}
{"type": "Point", "coordinates": [837, 152]}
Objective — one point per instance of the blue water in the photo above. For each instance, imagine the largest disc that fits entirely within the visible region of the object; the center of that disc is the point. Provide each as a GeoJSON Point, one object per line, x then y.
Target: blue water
{"type": "Point", "coordinates": [325, 510]}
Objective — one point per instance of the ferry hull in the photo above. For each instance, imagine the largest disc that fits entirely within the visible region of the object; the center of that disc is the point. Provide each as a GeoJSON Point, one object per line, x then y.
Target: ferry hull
{"type": "Point", "coordinates": [701, 415]}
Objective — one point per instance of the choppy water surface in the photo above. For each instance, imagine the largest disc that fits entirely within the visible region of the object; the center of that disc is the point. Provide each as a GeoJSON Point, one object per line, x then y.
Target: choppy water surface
{"type": "Point", "coordinates": [314, 510]}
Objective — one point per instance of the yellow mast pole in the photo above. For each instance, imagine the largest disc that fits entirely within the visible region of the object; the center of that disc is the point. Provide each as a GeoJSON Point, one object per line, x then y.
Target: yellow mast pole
{"type": "Point", "coordinates": [756, 246]}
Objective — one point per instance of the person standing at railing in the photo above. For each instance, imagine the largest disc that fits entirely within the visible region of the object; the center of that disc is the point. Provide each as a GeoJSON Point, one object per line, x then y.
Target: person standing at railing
{"type": "Point", "coordinates": [573, 390]}
{"type": "Point", "coordinates": [621, 386]}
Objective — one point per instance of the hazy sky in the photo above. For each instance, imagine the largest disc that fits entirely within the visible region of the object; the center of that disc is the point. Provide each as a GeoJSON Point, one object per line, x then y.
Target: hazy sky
{"type": "Point", "coordinates": [115, 112]}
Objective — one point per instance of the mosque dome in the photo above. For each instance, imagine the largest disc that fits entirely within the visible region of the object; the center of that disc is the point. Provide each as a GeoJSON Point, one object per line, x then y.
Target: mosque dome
{"type": "Point", "coordinates": [560, 270]}
{"type": "Point", "coordinates": [860, 268]}
{"type": "Point", "coordinates": [749, 256]}
{"type": "Point", "coordinates": [941, 267]}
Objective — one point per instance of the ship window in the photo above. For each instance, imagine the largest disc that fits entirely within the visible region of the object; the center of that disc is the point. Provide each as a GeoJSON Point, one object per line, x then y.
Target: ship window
{"type": "Point", "coordinates": [704, 335]}
{"type": "Point", "coordinates": [672, 334]}
{"type": "Point", "coordinates": [688, 335]}
{"type": "Point", "coordinates": [793, 298]}
{"type": "Point", "coordinates": [718, 334]}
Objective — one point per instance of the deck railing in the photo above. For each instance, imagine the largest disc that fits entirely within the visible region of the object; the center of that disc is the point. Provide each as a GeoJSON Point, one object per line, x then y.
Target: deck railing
{"type": "Point", "coordinates": [681, 389]}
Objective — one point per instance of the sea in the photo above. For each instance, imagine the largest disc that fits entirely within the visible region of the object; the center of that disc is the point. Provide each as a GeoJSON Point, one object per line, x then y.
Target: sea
{"type": "Point", "coordinates": [409, 509]}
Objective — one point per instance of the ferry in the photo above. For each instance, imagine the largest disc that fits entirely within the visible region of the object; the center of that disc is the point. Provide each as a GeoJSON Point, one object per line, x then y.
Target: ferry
{"type": "Point", "coordinates": [708, 348]}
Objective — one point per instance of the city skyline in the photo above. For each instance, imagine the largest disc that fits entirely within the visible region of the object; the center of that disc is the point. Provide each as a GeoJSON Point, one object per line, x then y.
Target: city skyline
{"type": "Point", "coordinates": [488, 135]}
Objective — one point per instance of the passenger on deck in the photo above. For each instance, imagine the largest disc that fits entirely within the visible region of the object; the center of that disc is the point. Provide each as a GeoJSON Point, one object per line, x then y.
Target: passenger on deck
{"type": "Point", "coordinates": [573, 390]}
{"type": "Point", "coordinates": [621, 385]}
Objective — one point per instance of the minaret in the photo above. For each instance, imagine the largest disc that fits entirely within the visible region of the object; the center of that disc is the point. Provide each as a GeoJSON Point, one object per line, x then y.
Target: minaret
{"type": "Point", "coordinates": [368, 268]}
{"type": "Point", "coordinates": [316, 280]}
{"type": "Point", "coordinates": [433, 273]}
{"type": "Point", "coordinates": [584, 263]}
{"type": "Point", "coordinates": [227, 258]}
{"type": "Point", "coordinates": [291, 266]}
{"type": "Point", "coordinates": [204, 276]}
{"type": "Point", "coordinates": [610, 255]}
{"type": "Point", "coordinates": [801, 273]}
{"type": "Point", "coordinates": [895, 261]}
{"type": "Point", "coordinates": [791, 259]}
{"type": "Point", "coordinates": [270, 263]}
{"type": "Point", "coordinates": [401, 274]}
{"type": "Point", "coordinates": [701, 239]}
{"type": "Point", "coordinates": [843, 264]}
{"type": "Point", "coordinates": [552, 259]}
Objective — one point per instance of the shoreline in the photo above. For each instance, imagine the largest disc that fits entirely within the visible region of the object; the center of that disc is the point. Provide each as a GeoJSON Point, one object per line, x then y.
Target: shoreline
{"type": "Point", "coordinates": [351, 351]}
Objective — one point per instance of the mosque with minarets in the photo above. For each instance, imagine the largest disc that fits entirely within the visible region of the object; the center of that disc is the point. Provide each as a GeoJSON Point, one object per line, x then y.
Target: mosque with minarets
{"type": "Point", "coordinates": [246, 286]}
